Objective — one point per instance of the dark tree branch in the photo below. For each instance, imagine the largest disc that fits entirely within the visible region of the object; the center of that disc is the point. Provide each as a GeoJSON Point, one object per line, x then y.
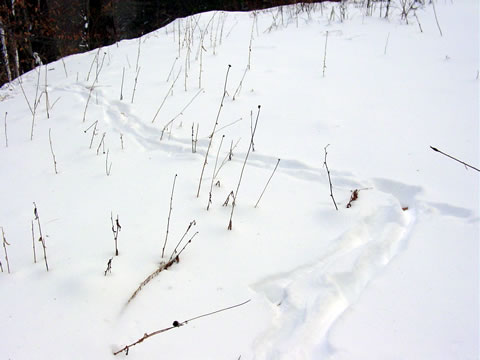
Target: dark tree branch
{"type": "Point", "coordinates": [451, 157]}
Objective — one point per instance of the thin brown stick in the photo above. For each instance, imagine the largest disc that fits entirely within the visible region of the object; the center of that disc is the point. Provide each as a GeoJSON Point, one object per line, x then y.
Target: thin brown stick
{"type": "Point", "coordinates": [115, 230]}
{"type": "Point", "coordinates": [329, 179]}
{"type": "Point", "coordinates": [193, 223]}
{"type": "Point", "coordinates": [51, 149]}
{"type": "Point", "coordinates": [166, 95]}
{"type": "Point", "coordinates": [453, 158]}
{"type": "Point", "coordinates": [5, 243]}
{"type": "Point", "coordinates": [25, 96]}
{"type": "Point", "coordinates": [268, 182]}
{"type": "Point", "coordinates": [135, 86]}
{"type": "Point", "coordinates": [121, 87]}
{"type": "Point", "coordinates": [180, 113]}
{"type": "Point", "coordinates": [169, 214]}
{"type": "Point", "coordinates": [41, 239]}
{"type": "Point", "coordinates": [325, 54]}
{"type": "Point", "coordinates": [163, 266]}
{"type": "Point", "coordinates": [213, 175]}
{"type": "Point", "coordinates": [213, 131]}
{"type": "Point", "coordinates": [243, 168]}
{"type": "Point", "coordinates": [47, 103]}
{"type": "Point", "coordinates": [176, 324]}
{"type": "Point", "coordinates": [436, 18]}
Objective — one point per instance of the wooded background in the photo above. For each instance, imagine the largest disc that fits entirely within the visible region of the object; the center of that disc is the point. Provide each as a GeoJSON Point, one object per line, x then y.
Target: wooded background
{"type": "Point", "coordinates": [45, 30]}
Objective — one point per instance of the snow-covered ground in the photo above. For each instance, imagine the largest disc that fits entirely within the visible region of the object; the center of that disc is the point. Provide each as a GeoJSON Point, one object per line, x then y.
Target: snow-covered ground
{"type": "Point", "coordinates": [394, 276]}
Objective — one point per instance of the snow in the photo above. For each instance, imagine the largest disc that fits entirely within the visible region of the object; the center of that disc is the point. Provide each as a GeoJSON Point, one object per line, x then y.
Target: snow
{"type": "Point", "coordinates": [393, 277]}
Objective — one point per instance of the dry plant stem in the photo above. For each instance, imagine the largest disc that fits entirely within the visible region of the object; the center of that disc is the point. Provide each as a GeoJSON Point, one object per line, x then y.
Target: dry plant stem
{"type": "Point", "coordinates": [115, 230]}
{"type": "Point", "coordinates": [175, 324]}
{"type": "Point", "coordinates": [26, 99]}
{"type": "Point", "coordinates": [108, 168]}
{"type": "Point", "coordinates": [121, 88]}
{"type": "Point", "coordinates": [325, 54]}
{"type": "Point", "coordinates": [93, 133]}
{"type": "Point", "coordinates": [47, 104]}
{"type": "Point", "coordinates": [35, 105]}
{"type": "Point", "coordinates": [213, 131]}
{"type": "Point", "coordinates": [228, 157]}
{"type": "Point", "coordinates": [353, 197]}
{"type": "Point", "coordinates": [268, 182]}
{"type": "Point", "coordinates": [5, 243]}
{"type": "Point", "coordinates": [213, 175]}
{"type": "Point", "coordinates": [239, 88]}
{"type": "Point", "coordinates": [169, 214]}
{"type": "Point", "coordinates": [51, 149]}
{"type": "Point", "coordinates": [453, 158]}
{"type": "Point", "coordinates": [225, 126]}
{"type": "Point", "coordinates": [41, 239]}
{"type": "Point", "coordinates": [65, 68]}
{"type": "Point", "coordinates": [329, 179]}
{"type": "Point", "coordinates": [88, 99]}
{"type": "Point", "coordinates": [386, 45]}
{"type": "Point", "coordinates": [163, 266]}
{"type": "Point", "coordinates": [436, 18]}
{"type": "Point", "coordinates": [101, 142]}
{"type": "Point", "coordinates": [138, 54]}
{"type": "Point", "coordinates": [171, 70]}
{"type": "Point", "coordinates": [193, 223]}
{"type": "Point", "coordinates": [251, 39]}
{"type": "Point", "coordinates": [33, 245]}
{"type": "Point", "coordinates": [243, 168]}
{"type": "Point", "coordinates": [418, 21]}
{"type": "Point", "coordinates": [6, 136]}
{"type": "Point", "coordinates": [180, 113]}
{"type": "Point", "coordinates": [93, 62]}
{"type": "Point", "coordinates": [166, 95]}
{"type": "Point", "coordinates": [109, 267]}
{"type": "Point", "coordinates": [135, 85]}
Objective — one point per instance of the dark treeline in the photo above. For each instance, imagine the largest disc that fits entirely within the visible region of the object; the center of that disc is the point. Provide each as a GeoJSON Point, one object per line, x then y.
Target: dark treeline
{"type": "Point", "coordinates": [34, 31]}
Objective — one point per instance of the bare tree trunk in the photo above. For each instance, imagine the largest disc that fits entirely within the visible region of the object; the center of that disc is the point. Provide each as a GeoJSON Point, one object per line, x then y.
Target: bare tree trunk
{"type": "Point", "coordinates": [5, 52]}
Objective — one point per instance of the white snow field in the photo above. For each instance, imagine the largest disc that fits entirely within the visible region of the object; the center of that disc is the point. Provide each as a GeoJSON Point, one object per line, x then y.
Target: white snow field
{"type": "Point", "coordinates": [393, 276]}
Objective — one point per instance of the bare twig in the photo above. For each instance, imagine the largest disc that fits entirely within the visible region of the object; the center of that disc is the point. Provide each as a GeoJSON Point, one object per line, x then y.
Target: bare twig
{"type": "Point", "coordinates": [325, 53]}
{"type": "Point", "coordinates": [193, 223]}
{"type": "Point", "coordinates": [121, 88]}
{"type": "Point", "coordinates": [166, 95]}
{"type": "Point", "coordinates": [243, 168]}
{"type": "Point", "coordinates": [101, 142]}
{"type": "Point", "coordinates": [26, 99]}
{"type": "Point", "coordinates": [163, 266]}
{"type": "Point", "coordinates": [453, 158]}
{"type": "Point", "coordinates": [175, 324]}
{"type": "Point", "coordinates": [115, 230]}
{"type": "Point", "coordinates": [5, 243]}
{"type": "Point", "coordinates": [41, 239]}
{"type": "Point", "coordinates": [109, 267]}
{"type": "Point", "coordinates": [213, 131]}
{"type": "Point", "coordinates": [169, 214]}
{"type": "Point", "coordinates": [180, 113]}
{"type": "Point", "coordinates": [329, 179]}
{"type": "Point", "coordinates": [213, 175]}
{"type": "Point", "coordinates": [135, 86]}
{"type": "Point", "coordinates": [108, 168]}
{"type": "Point", "coordinates": [51, 149]}
{"type": "Point", "coordinates": [436, 18]}
{"type": "Point", "coordinates": [268, 182]}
